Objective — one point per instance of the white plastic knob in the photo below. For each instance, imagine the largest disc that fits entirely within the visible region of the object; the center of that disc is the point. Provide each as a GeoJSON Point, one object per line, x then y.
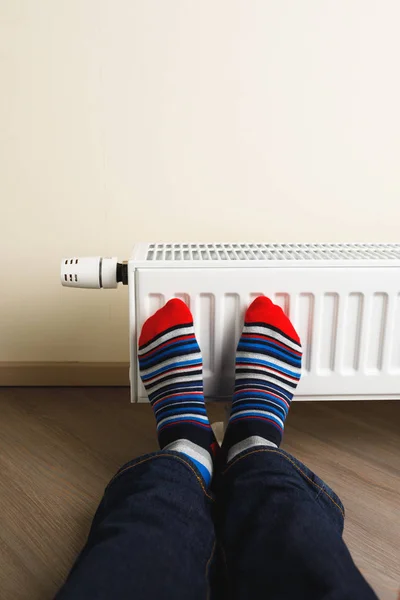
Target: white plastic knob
{"type": "Point", "coordinates": [89, 272]}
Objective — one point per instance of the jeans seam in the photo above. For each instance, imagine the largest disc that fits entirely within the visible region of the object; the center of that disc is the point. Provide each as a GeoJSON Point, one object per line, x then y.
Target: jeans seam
{"type": "Point", "coordinates": [207, 571]}
{"type": "Point", "coordinates": [182, 460]}
{"type": "Point", "coordinates": [294, 464]}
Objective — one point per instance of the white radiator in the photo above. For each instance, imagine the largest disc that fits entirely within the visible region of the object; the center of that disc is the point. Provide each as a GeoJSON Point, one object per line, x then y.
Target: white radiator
{"type": "Point", "coordinates": [344, 301]}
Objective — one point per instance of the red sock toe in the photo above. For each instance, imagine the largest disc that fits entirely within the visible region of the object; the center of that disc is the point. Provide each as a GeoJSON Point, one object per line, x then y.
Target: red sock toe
{"type": "Point", "coordinates": [174, 313]}
{"type": "Point", "coordinates": [263, 310]}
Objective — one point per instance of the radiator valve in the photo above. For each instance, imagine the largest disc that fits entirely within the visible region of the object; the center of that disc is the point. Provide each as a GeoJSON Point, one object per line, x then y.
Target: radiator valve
{"type": "Point", "coordinates": [93, 272]}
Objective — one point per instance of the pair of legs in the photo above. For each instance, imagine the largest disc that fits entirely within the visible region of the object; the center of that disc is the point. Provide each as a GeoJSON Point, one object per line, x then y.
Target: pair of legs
{"type": "Point", "coordinates": [197, 521]}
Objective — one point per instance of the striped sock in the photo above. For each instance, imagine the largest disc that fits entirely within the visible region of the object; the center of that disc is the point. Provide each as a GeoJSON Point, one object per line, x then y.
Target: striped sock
{"type": "Point", "coordinates": [268, 369]}
{"type": "Point", "coordinates": [171, 371]}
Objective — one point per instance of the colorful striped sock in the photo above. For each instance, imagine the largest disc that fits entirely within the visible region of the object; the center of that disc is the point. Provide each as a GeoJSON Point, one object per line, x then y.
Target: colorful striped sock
{"type": "Point", "coordinates": [268, 369]}
{"type": "Point", "coordinates": [171, 370]}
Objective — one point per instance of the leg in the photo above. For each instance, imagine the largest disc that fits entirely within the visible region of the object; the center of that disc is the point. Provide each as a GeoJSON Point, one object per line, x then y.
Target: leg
{"type": "Point", "coordinates": [280, 527]}
{"type": "Point", "coordinates": [153, 534]}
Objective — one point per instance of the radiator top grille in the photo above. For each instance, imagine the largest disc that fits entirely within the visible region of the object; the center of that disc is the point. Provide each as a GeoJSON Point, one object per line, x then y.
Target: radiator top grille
{"type": "Point", "coordinates": [271, 251]}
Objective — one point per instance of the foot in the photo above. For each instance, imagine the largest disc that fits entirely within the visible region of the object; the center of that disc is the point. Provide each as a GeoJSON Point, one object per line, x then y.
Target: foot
{"type": "Point", "coordinates": [268, 369]}
{"type": "Point", "coordinates": [171, 370]}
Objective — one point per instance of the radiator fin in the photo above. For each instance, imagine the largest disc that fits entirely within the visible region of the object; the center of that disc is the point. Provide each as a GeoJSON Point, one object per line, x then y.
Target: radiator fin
{"type": "Point", "coordinates": [231, 331]}
{"type": "Point", "coordinates": [375, 342]}
{"type": "Point", "coordinates": [328, 332]}
{"type": "Point", "coordinates": [303, 322]}
{"type": "Point", "coordinates": [394, 360]}
{"type": "Point", "coordinates": [352, 333]}
{"type": "Point", "coordinates": [204, 315]}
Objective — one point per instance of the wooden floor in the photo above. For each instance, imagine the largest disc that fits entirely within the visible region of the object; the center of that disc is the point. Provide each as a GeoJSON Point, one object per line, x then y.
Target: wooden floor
{"type": "Point", "coordinates": [60, 446]}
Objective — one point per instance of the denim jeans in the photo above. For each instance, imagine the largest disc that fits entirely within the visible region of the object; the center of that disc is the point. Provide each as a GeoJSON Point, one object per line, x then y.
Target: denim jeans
{"type": "Point", "coordinates": [269, 528]}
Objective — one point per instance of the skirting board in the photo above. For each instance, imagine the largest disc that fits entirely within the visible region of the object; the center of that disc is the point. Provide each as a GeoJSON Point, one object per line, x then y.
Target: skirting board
{"type": "Point", "coordinates": [64, 374]}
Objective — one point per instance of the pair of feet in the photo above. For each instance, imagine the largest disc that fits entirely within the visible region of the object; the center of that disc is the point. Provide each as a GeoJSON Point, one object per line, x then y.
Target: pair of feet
{"type": "Point", "coordinates": [268, 366]}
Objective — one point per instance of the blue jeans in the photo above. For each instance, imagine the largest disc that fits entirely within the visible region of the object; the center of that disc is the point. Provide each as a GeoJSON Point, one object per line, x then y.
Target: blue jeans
{"type": "Point", "coordinates": [269, 528]}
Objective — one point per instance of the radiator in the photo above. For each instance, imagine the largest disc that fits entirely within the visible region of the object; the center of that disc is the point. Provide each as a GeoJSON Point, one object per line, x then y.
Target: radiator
{"type": "Point", "coordinates": [343, 299]}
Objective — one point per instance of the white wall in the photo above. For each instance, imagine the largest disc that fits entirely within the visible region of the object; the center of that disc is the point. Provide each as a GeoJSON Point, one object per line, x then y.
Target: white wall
{"type": "Point", "coordinates": [181, 120]}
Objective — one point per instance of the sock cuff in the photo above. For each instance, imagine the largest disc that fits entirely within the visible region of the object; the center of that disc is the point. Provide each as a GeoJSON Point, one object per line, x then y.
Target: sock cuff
{"type": "Point", "coordinates": [249, 442]}
{"type": "Point", "coordinates": [197, 454]}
